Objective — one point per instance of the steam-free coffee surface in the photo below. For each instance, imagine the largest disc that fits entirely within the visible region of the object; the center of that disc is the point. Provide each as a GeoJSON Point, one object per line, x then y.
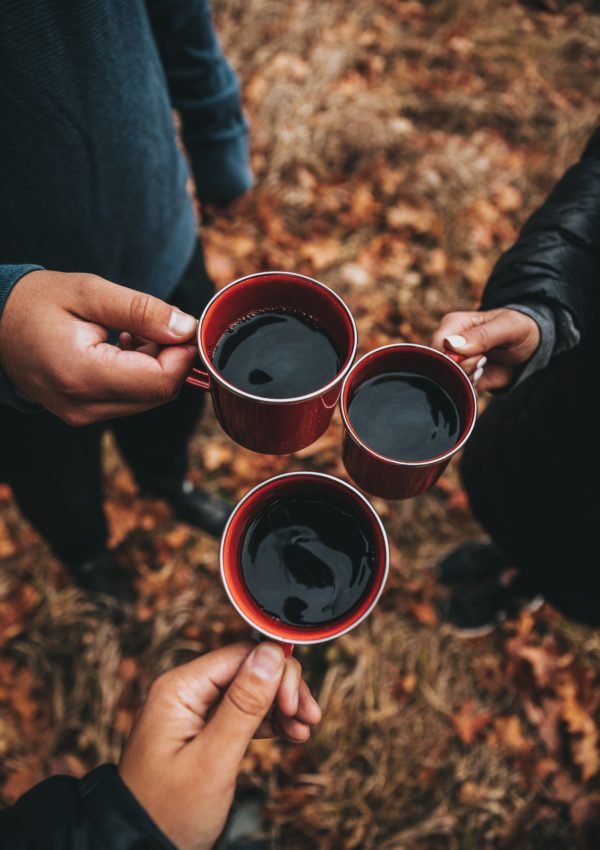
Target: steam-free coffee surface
{"type": "Point", "coordinates": [307, 561]}
{"type": "Point", "coordinates": [276, 354]}
{"type": "Point", "coordinates": [404, 416]}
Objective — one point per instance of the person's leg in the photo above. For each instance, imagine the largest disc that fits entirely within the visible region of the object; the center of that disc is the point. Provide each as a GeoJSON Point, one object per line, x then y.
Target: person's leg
{"type": "Point", "coordinates": [155, 443]}
{"type": "Point", "coordinates": [54, 471]}
{"type": "Point", "coordinates": [528, 470]}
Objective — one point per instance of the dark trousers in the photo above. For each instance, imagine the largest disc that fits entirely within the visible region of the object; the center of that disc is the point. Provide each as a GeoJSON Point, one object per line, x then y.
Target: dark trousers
{"type": "Point", "coordinates": [531, 472]}
{"type": "Point", "coordinates": [55, 470]}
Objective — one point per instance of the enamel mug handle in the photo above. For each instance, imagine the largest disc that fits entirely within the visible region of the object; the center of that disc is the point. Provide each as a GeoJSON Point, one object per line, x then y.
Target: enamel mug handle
{"type": "Point", "coordinates": [198, 378]}
{"type": "Point", "coordinates": [288, 648]}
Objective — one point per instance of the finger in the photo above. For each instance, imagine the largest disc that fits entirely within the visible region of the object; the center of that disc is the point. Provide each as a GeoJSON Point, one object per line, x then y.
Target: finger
{"type": "Point", "coordinates": [308, 708]}
{"type": "Point", "coordinates": [280, 723]}
{"type": "Point", "coordinates": [243, 708]}
{"type": "Point", "coordinates": [470, 364]}
{"type": "Point", "coordinates": [126, 341]}
{"type": "Point", "coordinates": [181, 701]}
{"type": "Point", "coordinates": [495, 378]}
{"type": "Point", "coordinates": [500, 329]}
{"type": "Point", "coordinates": [452, 324]}
{"type": "Point", "coordinates": [149, 348]}
{"type": "Point", "coordinates": [290, 728]}
{"type": "Point", "coordinates": [133, 376]}
{"type": "Point", "coordinates": [114, 306]}
{"type": "Point", "coordinates": [288, 694]}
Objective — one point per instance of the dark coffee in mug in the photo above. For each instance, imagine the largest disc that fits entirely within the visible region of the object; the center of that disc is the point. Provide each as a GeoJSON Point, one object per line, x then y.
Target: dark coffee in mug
{"type": "Point", "coordinates": [404, 416]}
{"type": "Point", "coordinates": [276, 354]}
{"type": "Point", "coordinates": [307, 560]}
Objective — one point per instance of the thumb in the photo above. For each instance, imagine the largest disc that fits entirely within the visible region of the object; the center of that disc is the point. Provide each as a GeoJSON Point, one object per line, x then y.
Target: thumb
{"type": "Point", "coordinates": [497, 331]}
{"type": "Point", "coordinates": [144, 316]}
{"type": "Point", "coordinates": [242, 709]}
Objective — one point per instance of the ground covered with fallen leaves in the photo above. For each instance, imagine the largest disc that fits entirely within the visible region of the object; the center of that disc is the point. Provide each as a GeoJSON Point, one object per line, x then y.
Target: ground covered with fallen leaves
{"type": "Point", "coordinates": [397, 146]}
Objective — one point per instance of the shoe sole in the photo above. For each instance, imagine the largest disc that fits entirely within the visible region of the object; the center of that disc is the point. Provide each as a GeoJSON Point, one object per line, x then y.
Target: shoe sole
{"type": "Point", "coordinates": [482, 631]}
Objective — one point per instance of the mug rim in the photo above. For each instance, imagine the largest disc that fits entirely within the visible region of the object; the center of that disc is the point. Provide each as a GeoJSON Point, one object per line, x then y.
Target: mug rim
{"type": "Point", "coordinates": [351, 432]}
{"type": "Point", "coordinates": [386, 552]}
{"type": "Point", "coordinates": [216, 375]}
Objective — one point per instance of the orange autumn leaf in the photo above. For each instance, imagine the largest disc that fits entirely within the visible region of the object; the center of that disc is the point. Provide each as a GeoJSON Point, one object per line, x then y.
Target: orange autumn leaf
{"type": "Point", "coordinates": [469, 721]}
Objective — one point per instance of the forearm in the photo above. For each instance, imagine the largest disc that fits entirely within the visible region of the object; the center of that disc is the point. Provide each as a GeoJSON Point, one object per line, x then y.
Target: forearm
{"type": "Point", "coordinates": [556, 260]}
{"type": "Point", "coordinates": [205, 90]}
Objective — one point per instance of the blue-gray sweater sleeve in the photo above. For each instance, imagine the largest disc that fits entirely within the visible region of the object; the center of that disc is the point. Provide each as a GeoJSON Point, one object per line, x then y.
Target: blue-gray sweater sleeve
{"type": "Point", "coordinates": [205, 90]}
{"type": "Point", "coordinates": [9, 275]}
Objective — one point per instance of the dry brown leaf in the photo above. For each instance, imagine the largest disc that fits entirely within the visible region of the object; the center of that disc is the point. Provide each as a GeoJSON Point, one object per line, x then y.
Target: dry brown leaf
{"type": "Point", "coordinates": [509, 734]}
{"type": "Point", "coordinates": [423, 612]}
{"type": "Point", "coordinates": [469, 721]}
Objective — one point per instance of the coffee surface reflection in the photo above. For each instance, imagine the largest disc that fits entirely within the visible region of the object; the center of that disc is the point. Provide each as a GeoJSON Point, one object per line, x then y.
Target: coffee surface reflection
{"type": "Point", "coordinates": [276, 354]}
{"type": "Point", "coordinates": [307, 561]}
{"type": "Point", "coordinates": [404, 416]}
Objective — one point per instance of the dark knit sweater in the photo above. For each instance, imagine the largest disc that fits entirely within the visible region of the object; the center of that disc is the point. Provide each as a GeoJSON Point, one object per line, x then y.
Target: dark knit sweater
{"type": "Point", "coordinates": [91, 176]}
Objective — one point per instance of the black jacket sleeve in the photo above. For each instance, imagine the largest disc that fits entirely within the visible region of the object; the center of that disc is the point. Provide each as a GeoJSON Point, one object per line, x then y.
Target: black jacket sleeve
{"type": "Point", "coordinates": [205, 90]}
{"type": "Point", "coordinates": [556, 260]}
{"type": "Point", "coordinates": [97, 812]}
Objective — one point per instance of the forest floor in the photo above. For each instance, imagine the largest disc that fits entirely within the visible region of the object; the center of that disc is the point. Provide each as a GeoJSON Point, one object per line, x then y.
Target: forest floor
{"type": "Point", "coordinates": [398, 147]}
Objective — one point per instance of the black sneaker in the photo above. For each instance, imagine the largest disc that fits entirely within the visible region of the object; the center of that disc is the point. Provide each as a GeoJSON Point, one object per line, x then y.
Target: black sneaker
{"type": "Point", "coordinates": [475, 613]}
{"type": "Point", "coordinates": [199, 508]}
{"type": "Point", "coordinates": [471, 563]}
{"type": "Point", "coordinates": [246, 828]}
{"type": "Point", "coordinates": [98, 576]}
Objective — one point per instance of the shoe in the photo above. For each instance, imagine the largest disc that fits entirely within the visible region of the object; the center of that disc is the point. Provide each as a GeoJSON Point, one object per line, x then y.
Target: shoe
{"type": "Point", "coordinates": [475, 613]}
{"type": "Point", "coordinates": [99, 576]}
{"type": "Point", "coordinates": [246, 828]}
{"type": "Point", "coordinates": [199, 508]}
{"type": "Point", "coordinates": [471, 563]}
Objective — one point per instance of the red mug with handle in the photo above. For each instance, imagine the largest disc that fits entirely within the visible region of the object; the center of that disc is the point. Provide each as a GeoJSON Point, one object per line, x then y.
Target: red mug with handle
{"type": "Point", "coordinates": [312, 485]}
{"type": "Point", "coordinates": [384, 476]}
{"type": "Point", "coordinates": [266, 425]}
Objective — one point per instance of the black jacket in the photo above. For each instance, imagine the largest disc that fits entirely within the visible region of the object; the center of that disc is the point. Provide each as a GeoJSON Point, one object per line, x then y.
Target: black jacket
{"type": "Point", "coordinates": [556, 260]}
{"type": "Point", "coordinates": [97, 812]}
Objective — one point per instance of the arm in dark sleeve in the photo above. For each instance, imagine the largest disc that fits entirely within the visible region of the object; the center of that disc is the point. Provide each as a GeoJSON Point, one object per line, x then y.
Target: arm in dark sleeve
{"type": "Point", "coordinates": [205, 90]}
{"type": "Point", "coordinates": [97, 812]}
{"type": "Point", "coordinates": [9, 276]}
{"type": "Point", "coordinates": [556, 259]}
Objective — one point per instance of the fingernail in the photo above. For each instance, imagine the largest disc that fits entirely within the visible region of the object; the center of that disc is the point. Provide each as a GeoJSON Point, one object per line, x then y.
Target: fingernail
{"type": "Point", "coordinates": [181, 324]}
{"type": "Point", "coordinates": [477, 375]}
{"type": "Point", "coordinates": [481, 362]}
{"type": "Point", "coordinates": [267, 661]}
{"type": "Point", "coordinates": [455, 341]}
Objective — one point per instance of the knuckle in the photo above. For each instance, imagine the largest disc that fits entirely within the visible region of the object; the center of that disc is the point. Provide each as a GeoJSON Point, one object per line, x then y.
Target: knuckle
{"type": "Point", "coordinates": [246, 700]}
{"type": "Point", "coordinates": [140, 311]}
{"type": "Point", "coordinates": [82, 285]}
{"type": "Point", "coordinates": [168, 389]}
{"type": "Point", "coordinates": [160, 687]}
{"type": "Point", "coordinates": [77, 417]}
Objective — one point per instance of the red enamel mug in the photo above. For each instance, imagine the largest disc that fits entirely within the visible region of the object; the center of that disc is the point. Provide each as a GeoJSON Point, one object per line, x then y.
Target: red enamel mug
{"type": "Point", "coordinates": [249, 508]}
{"type": "Point", "coordinates": [273, 426]}
{"type": "Point", "coordinates": [384, 476]}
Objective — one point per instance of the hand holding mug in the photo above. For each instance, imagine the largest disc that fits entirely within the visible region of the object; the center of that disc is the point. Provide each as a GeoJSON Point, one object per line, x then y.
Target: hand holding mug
{"type": "Point", "coordinates": [505, 339]}
{"type": "Point", "coordinates": [183, 756]}
{"type": "Point", "coordinates": [53, 346]}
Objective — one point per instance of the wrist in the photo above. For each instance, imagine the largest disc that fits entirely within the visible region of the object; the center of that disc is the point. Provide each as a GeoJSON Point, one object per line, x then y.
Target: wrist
{"type": "Point", "coordinates": [10, 275]}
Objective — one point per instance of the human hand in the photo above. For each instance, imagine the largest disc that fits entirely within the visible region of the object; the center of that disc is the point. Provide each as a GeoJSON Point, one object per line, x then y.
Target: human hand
{"type": "Point", "coordinates": [53, 346]}
{"type": "Point", "coordinates": [183, 756]}
{"type": "Point", "coordinates": [231, 208]}
{"type": "Point", "coordinates": [495, 344]}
